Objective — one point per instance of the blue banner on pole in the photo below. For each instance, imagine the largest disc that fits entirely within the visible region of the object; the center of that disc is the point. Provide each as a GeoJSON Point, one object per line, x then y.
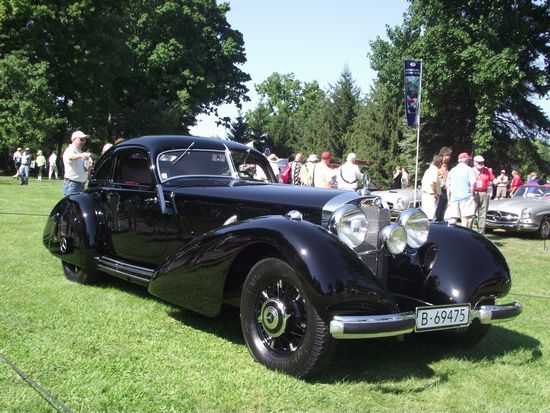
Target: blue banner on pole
{"type": "Point", "coordinates": [413, 71]}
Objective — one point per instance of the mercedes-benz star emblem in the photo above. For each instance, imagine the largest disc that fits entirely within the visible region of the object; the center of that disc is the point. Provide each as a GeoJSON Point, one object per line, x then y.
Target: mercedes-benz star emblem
{"type": "Point", "coordinates": [64, 245]}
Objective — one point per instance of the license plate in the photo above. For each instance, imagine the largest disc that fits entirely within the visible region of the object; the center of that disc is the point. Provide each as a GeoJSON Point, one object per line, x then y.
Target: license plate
{"type": "Point", "coordinates": [442, 317]}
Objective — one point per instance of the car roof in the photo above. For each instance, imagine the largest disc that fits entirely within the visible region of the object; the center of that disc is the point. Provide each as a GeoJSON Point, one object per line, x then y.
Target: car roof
{"type": "Point", "coordinates": [161, 143]}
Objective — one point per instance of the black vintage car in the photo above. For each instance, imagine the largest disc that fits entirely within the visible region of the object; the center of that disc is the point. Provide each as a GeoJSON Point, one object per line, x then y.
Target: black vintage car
{"type": "Point", "coordinates": [201, 223]}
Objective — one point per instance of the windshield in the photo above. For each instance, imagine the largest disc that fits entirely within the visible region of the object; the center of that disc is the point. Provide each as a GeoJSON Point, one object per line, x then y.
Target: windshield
{"type": "Point", "coordinates": [184, 162]}
{"type": "Point", "coordinates": [533, 191]}
{"type": "Point", "coordinates": [189, 162]}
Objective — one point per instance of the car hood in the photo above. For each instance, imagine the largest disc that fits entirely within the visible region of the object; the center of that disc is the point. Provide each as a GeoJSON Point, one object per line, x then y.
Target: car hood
{"type": "Point", "coordinates": [290, 196]}
{"type": "Point", "coordinates": [515, 205]}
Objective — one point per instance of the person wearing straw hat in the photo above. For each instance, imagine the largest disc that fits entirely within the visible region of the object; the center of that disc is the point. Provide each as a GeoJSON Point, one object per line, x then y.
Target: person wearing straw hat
{"type": "Point", "coordinates": [307, 172]}
{"type": "Point", "coordinates": [275, 166]}
{"type": "Point", "coordinates": [501, 183]}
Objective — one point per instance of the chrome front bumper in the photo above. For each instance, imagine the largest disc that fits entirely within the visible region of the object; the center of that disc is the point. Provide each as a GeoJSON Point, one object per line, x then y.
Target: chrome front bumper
{"type": "Point", "coordinates": [388, 325]}
{"type": "Point", "coordinates": [512, 226]}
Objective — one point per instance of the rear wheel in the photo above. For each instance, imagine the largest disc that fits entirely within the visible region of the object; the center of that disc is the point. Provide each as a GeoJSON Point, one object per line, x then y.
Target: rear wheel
{"type": "Point", "coordinates": [78, 274]}
{"type": "Point", "coordinates": [281, 327]}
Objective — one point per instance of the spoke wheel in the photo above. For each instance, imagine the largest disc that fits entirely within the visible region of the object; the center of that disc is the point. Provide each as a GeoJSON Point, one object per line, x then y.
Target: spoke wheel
{"type": "Point", "coordinates": [281, 317]}
{"type": "Point", "coordinates": [281, 327]}
{"type": "Point", "coordinates": [78, 274]}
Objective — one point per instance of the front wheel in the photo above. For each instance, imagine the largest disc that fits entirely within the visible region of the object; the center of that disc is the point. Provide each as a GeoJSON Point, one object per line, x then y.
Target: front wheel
{"type": "Point", "coordinates": [78, 274]}
{"type": "Point", "coordinates": [544, 229]}
{"type": "Point", "coordinates": [281, 327]}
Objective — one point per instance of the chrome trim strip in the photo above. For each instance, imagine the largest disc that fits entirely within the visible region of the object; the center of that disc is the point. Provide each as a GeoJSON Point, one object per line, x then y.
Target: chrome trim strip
{"type": "Point", "coordinates": [123, 268]}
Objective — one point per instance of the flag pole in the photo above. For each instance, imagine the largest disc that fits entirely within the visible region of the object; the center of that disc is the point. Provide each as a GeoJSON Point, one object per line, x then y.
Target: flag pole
{"type": "Point", "coordinates": [417, 135]}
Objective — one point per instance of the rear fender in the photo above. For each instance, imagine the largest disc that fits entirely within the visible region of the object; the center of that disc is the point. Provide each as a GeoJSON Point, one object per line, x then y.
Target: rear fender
{"type": "Point", "coordinates": [73, 230]}
{"type": "Point", "coordinates": [334, 278]}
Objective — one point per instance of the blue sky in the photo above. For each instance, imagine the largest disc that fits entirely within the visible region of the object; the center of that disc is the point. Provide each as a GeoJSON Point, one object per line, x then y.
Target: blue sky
{"type": "Point", "coordinates": [313, 39]}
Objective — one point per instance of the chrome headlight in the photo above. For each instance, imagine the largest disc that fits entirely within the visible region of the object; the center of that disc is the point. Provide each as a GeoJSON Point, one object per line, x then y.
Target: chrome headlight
{"type": "Point", "coordinates": [401, 205]}
{"type": "Point", "coordinates": [526, 214]}
{"type": "Point", "coordinates": [417, 226]}
{"type": "Point", "coordinates": [349, 223]}
{"type": "Point", "coordinates": [394, 237]}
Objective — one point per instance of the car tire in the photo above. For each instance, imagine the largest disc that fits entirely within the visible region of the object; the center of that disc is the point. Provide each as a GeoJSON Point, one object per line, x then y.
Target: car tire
{"type": "Point", "coordinates": [78, 274]}
{"type": "Point", "coordinates": [544, 229]}
{"type": "Point", "coordinates": [281, 327]}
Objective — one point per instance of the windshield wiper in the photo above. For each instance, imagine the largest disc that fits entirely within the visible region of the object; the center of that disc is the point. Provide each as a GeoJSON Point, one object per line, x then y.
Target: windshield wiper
{"type": "Point", "coordinates": [185, 152]}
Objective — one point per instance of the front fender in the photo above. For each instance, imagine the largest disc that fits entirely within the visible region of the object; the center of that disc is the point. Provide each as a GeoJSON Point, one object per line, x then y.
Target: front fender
{"type": "Point", "coordinates": [73, 230]}
{"type": "Point", "coordinates": [334, 278]}
{"type": "Point", "coordinates": [468, 268]}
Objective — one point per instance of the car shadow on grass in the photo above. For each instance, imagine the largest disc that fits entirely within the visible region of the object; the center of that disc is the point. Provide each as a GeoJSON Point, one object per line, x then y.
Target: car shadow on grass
{"type": "Point", "coordinates": [389, 361]}
{"type": "Point", "coordinates": [389, 364]}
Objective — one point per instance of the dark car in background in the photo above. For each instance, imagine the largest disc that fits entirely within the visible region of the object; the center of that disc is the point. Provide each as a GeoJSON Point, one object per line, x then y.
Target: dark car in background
{"type": "Point", "coordinates": [200, 223]}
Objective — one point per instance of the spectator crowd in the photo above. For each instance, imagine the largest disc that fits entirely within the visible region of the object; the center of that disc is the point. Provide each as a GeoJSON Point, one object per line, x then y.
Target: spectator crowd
{"type": "Point", "coordinates": [457, 194]}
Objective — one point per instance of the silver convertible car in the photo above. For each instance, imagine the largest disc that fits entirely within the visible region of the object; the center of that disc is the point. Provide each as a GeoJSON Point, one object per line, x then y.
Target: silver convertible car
{"type": "Point", "coordinates": [398, 200]}
{"type": "Point", "coordinates": [527, 211]}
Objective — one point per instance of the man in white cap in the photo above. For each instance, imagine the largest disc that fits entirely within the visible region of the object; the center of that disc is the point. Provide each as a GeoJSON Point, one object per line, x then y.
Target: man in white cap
{"type": "Point", "coordinates": [349, 174]}
{"type": "Point", "coordinates": [76, 164]}
{"type": "Point", "coordinates": [484, 190]}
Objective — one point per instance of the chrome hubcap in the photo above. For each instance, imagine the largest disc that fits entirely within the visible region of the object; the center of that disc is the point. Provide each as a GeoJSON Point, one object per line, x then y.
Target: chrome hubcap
{"type": "Point", "coordinates": [273, 317]}
{"type": "Point", "coordinates": [545, 230]}
{"type": "Point", "coordinates": [281, 317]}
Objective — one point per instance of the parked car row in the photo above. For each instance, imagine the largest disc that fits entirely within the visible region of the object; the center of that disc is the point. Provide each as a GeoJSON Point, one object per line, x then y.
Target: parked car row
{"type": "Point", "coordinates": [188, 219]}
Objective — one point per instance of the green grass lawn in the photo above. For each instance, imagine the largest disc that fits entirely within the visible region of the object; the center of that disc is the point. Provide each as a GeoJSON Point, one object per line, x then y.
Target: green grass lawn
{"type": "Point", "coordinates": [114, 348]}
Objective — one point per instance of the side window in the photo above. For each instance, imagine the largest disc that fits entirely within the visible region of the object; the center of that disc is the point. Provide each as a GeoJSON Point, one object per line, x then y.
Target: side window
{"type": "Point", "coordinates": [103, 170]}
{"type": "Point", "coordinates": [132, 168]}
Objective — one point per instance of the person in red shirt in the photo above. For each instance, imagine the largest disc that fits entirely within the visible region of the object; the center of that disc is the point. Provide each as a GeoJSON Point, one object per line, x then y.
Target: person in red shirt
{"type": "Point", "coordinates": [483, 190]}
{"type": "Point", "coordinates": [516, 182]}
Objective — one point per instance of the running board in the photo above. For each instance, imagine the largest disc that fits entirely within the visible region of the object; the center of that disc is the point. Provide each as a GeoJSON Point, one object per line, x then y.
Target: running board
{"type": "Point", "coordinates": [128, 272]}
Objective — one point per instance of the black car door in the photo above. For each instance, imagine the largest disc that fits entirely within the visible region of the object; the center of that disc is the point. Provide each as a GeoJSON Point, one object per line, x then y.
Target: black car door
{"type": "Point", "coordinates": [137, 225]}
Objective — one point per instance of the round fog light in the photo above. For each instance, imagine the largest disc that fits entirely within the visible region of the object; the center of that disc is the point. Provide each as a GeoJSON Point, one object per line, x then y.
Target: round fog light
{"type": "Point", "coordinates": [394, 237]}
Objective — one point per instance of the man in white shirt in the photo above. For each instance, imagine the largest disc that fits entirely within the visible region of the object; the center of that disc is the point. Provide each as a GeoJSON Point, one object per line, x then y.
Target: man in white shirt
{"type": "Point", "coordinates": [431, 187]}
{"type": "Point", "coordinates": [323, 173]}
{"type": "Point", "coordinates": [349, 174]}
{"type": "Point", "coordinates": [76, 164]}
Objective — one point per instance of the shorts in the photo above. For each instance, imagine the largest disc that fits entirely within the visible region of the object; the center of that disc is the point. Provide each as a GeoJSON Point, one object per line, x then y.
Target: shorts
{"type": "Point", "coordinates": [462, 209]}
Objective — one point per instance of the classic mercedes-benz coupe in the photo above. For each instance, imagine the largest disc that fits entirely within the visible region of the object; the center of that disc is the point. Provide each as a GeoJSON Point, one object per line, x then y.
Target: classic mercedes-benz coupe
{"type": "Point", "coordinates": [527, 211]}
{"type": "Point", "coordinates": [200, 223]}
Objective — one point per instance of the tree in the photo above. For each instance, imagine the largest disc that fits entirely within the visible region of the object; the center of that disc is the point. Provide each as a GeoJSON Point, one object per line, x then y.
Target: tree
{"type": "Point", "coordinates": [126, 67]}
{"type": "Point", "coordinates": [375, 134]}
{"type": "Point", "coordinates": [483, 62]}
{"type": "Point", "coordinates": [345, 99]}
{"type": "Point", "coordinates": [285, 103]}
{"type": "Point", "coordinates": [27, 110]}
{"type": "Point", "coordinates": [238, 130]}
